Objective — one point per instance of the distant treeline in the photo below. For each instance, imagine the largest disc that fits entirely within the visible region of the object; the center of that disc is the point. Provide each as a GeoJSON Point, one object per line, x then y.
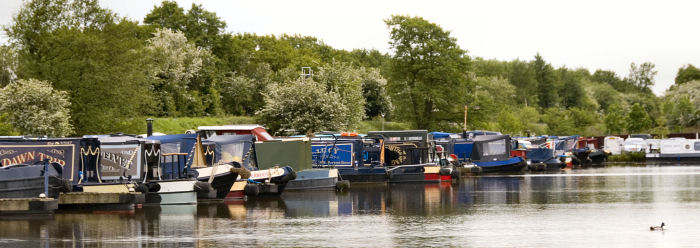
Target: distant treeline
{"type": "Point", "coordinates": [97, 71]}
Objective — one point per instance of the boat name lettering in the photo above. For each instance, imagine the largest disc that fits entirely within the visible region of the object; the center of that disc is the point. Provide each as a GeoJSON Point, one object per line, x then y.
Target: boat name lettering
{"type": "Point", "coordinates": [118, 159]}
{"type": "Point", "coordinates": [30, 157]}
{"type": "Point", "coordinates": [7, 152]}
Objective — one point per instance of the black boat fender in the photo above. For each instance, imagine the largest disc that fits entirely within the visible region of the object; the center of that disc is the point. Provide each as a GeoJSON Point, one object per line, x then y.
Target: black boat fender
{"type": "Point", "coordinates": [141, 188]}
{"type": "Point", "coordinates": [285, 178]}
{"type": "Point", "coordinates": [251, 189]}
{"type": "Point", "coordinates": [153, 187]}
{"type": "Point", "coordinates": [203, 187]}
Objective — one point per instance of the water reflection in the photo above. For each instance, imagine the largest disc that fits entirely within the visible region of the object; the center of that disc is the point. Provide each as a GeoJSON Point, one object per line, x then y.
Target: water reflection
{"type": "Point", "coordinates": [400, 214]}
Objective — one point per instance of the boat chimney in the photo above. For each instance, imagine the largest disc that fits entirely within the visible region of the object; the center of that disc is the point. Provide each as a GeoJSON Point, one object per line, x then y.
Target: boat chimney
{"type": "Point", "coordinates": [149, 127]}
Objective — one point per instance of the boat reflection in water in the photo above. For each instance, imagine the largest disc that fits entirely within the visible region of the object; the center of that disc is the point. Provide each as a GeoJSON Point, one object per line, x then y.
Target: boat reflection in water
{"type": "Point", "coordinates": [474, 212]}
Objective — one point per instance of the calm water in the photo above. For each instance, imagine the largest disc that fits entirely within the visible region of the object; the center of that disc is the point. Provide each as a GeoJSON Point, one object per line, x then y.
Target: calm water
{"type": "Point", "coordinates": [607, 207]}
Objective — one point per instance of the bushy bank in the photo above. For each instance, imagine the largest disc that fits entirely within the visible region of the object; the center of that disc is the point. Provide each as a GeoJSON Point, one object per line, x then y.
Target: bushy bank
{"type": "Point", "coordinates": [628, 157]}
{"type": "Point", "coordinates": [182, 124]}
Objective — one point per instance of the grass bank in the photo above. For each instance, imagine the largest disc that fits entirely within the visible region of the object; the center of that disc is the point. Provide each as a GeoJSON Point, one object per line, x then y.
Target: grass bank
{"type": "Point", "coordinates": [635, 157]}
{"type": "Point", "coordinates": [182, 124]}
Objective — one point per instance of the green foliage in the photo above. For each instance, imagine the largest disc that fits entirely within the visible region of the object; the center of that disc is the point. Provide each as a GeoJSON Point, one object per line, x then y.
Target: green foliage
{"type": "Point", "coordinates": [428, 72]}
{"type": "Point", "coordinates": [638, 119]}
{"type": "Point", "coordinates": [615, 120]}
{"type": "Point", "coordinates": [628, 157]}
{"type": "Point", "coordinates": [304, 106]}
{"type": "Point", "coordinates": [546, 89]}
{"type": "Point", "coordinates": [86, 51]}
{"type": "Point", "coordinates": [346, 81]}
{"type": "Point", "coordinates": [643, 76]}
{"type": "Point", "coordinates": [522, 76]}
{"type": "Point", "coordinates": [559, 121]}
{"type": "Point", "coordinates": [172, 125]}
{"type": "Point", "coordinates": [6, 128]}
{"type": "Point", "coordinates": [611, 78]}
{"type": "Point", "coordinates": [8, 64]}
{"type": "Point", "coordinates": [571, 92]}
{"type": "Point", "coordinates": [33, 107]}
{"type": "Point", "coordinates": [377, 101]}
{"type": "Point", "coordinates": [174, 64]}
{"type": "Point", "coordinates": [199, 25]}
{"type": "Point", "coordinates": [686, 74]}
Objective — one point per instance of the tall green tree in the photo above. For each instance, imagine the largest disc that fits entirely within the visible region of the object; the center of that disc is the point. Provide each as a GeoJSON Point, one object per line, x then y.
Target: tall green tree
{"type": "Point", "coordinates": [546, 89]}
{"type": "Point", "coordinates": [614, 119]}
{"type": "Point", "coordinates": [687, 73]}
{"type": "Point", "coordinates": [638, 119]}
{"type": "Point", "coordinates": [86, 51]}
{"type": "Point", "coordinates": [33, 107]}
{"type": "Point", "coordinates": [522, 76]}
{"type": "Point", "coordinates": [642, 76]}
{"type": "Point", "coordinates": [377, 101]}
{"type": "Point", "coordinates": [428, 71]}
{"type": "Point", "coordinates": [571, 92]}
{"type": "Point", "coordinates": [200, 26]}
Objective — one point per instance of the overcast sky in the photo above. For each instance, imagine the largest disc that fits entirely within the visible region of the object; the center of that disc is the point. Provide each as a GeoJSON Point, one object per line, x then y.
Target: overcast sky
{"type": "Point", "coordinates": [592, 34]}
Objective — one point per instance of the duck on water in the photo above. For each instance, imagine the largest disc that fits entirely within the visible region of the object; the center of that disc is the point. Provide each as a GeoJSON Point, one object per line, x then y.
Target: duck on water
{"type": "Point", "coordinates": [659, 228]}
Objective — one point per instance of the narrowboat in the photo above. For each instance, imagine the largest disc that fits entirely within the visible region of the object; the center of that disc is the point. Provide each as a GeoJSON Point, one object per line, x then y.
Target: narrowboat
{"type": "Point", "coordinates": [485, 154]}
{"type": "Point", "coordinates": [255, 179]}
{"type": "Point", "coordinates": [676, 151]}
{"type": "Point", "coordinates": [28, 162]}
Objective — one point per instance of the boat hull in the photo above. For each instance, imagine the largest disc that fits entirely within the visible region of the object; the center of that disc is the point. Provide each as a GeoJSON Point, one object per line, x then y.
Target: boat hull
{"type": "Point", "coordinates": [679, 158]}
{"type": "Point", "coordinates": [512, 165]}
{"type": "Point", "coordinates": [549, 165]}
{"type": "Point", "coordinates": [363, 175]}
{"type": "Point", "coordinates": [173, 192]}
{"type": "Point", "coordinates": [27, 181]}
{"type": "Point", "coordinates": [314, 179]}
{"type": "Point", "coordinates": [222, 182]}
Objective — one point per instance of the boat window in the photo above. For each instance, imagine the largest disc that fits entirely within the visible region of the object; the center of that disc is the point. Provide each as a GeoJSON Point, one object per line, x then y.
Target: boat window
{"type": "Point", "coordinates": [697, 146]}
{"type": "Point", "coordinates": [232, 152]}
{"type": "Point", "coordinates": [494, 148]}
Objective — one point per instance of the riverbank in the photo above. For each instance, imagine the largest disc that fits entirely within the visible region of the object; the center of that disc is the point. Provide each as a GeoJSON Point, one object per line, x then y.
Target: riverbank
{"type": "Point", "coordinates": [176, 125]}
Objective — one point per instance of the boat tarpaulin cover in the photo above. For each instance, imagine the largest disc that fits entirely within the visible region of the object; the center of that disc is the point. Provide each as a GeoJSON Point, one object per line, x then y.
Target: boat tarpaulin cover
{"type": "Point", "coordinates": [491, 147]}
{"type": "Point", "coordinates": [540, 154]}
{"type": "Point", "coordinates": [233, 148]}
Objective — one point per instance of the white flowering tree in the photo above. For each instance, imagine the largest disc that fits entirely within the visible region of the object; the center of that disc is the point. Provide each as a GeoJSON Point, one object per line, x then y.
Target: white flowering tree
{"type": "Point", "coordinates": [175, 62]}
{"type": "Point", "coordinates": [33, 107]}
{"type": "Point", "coordinates": [304, 106]}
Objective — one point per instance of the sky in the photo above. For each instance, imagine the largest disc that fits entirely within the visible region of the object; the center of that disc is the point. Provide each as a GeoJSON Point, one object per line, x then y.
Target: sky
{"type": "Point", "coordinates": [590, 34]}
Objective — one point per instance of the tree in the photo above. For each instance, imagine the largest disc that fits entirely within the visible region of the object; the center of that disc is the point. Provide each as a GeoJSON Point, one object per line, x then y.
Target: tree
{"type": "Point", "coordinates": [8, 65]}
{"type": "Point", "coordinates": [546, 90]}
{"type": "Point", "coordinates": [642, 76]}
{"type": "Point", "coordinates": [86, 51]}
{"type": "Point", "coordinates": [377, 101]}
{"type": "Point", "coordinates": [304, 106]}
{"type": "Point", "coordinates": [614, 119]}
{"type": "Point", "coordinates": [687, 73]}
{"type": "Point", "coordinates": [571, 92]}
{"type": "Point", "coordinates": [638, 119]}
{"type": "Point", "coordinates": [428, 71]}
{"type": "Point", "coordinates": [346, 81]}
{"type": "Point", "coordinates": [174, 63]}
{"type": "Point", "coordinates": [522, 76]}
{"type": "Point", "coordinates": [33, 107]}
{"type": "Point", "coordinates": [199, 25]}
